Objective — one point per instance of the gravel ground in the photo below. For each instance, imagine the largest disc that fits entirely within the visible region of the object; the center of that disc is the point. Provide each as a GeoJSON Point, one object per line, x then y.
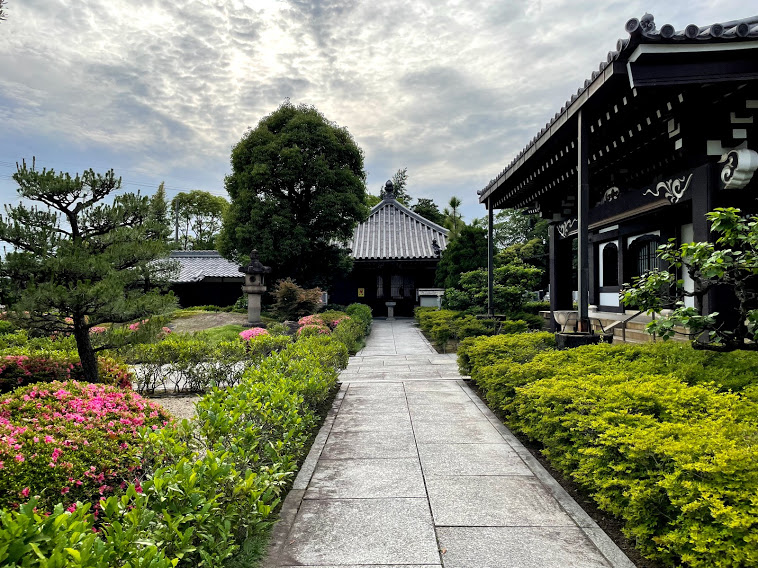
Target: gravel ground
{"type": "Point", "coordinates": [204, 321]}
{"type": "Point", "coordinates": [180, 406]}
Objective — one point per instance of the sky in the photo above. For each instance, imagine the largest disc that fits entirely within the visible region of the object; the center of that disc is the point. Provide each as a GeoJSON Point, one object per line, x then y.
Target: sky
{"type": "Point", "coordinates": [161, 90]}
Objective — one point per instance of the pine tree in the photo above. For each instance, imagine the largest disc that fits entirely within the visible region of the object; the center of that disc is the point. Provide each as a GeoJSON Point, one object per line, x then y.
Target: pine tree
{"type": "Point", "coordinates": [78, 262]}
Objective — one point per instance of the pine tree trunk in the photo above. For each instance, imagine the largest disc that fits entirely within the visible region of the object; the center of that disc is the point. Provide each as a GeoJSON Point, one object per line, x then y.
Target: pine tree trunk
{"type": "Point", "coordinates": [86, 353]}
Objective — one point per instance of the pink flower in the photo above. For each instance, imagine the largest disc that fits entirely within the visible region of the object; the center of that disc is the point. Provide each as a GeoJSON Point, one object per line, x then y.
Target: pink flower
{"type": "Point", "coordinates": [248, 334]}
{"type": "Point", "coordinates": [71, 508]}
{"type": "Point", "coordinates": [64, 490]}
{"type": "Point", "coordinates": [19, 458]}
{"type": "Point", "coordinates": [25, 492]}
{"type": "Point", "coordinates": [97, 330]}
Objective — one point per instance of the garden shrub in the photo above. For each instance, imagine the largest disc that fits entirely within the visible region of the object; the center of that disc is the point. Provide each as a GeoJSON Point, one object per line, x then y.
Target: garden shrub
{"type": "Point", "coordinates": [362, 313]}
{"type": "Point", "coordinates": [29, 539]}
{"type": "Point", "coordinates": [82, 444]}
{"type": "Point", "coordinates": [21, 370]}
{"type": "Point", "coordinates": [183, 362]}
{"type": "Point", "coordinates": [512, 326]}
{"type": "Point", "coordinates": [351, 333]}
{"type": "Point", "coordinates": [476, 353]}
{"type": "Point", "coordinates": [535, 308]}
{"type": "Point", "coordinates": [678, 463]}
{"type": "Point", "coordinates": [6, 327]}
{"type": "Point", "coordinates": [292, 301]}
{"type": "Point", "coordinates": [650, 431]}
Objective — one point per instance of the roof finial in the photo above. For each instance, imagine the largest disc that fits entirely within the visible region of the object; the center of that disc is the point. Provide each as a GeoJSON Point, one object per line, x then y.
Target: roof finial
{"type": "Point", "coordinates": [389, 190]}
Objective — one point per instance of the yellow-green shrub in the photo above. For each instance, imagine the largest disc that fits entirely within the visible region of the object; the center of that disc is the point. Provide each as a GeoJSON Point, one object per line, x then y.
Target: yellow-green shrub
{"type": "Point", "coordinates": [649, 430]}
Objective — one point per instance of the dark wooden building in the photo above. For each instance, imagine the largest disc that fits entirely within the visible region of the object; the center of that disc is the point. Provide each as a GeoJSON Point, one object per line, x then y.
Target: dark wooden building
{"type": "Point", "coordinates": [205, 277]}
{"type": "Point", "coordinates": [395, 253]}
{"type": "Point", "coordinates": [663, 132]}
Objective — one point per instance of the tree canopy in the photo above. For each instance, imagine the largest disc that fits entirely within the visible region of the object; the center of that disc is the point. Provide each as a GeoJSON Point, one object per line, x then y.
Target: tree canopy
{"type": "Point", "coordinates": [78, 263]}
{"type": "Point", "coordinates": [428, 209]}
{"type": "Point", "coordinates": [198, 217]}
{"type": "Point", "coordinates": [465, 253]}
{"type": "Point", "coordinates": [298, 189]}
{"type": "Point", "coordinates": [729, 265]}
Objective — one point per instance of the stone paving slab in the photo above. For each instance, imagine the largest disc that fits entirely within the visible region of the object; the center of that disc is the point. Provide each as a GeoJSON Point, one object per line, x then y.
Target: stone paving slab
{"type": "Point", "coordinates": [445, 412]}
{"type": "Point", "coordinates": [518, 547]}
{"type": "Point", "coordinates": [371, 444]}
{"type": "Point", "coordinates": [432, 386]}
{"type": "Point", "coordinates": [361, 531]}
{"type": "Point", "coordinates": [438, 397]}
{"type": "Point", "coordinates": [370, 405]}
{"type": "Point", "coordinates": [470, 431]}
{"type": "Point", "coordinates": [366, 479]}
{"type": "Point", "coordinates": [470, 459]}
{"type": "Point", "coordinates": [360, 422]}
{"type": "Point", "coordinates": [493, 501]}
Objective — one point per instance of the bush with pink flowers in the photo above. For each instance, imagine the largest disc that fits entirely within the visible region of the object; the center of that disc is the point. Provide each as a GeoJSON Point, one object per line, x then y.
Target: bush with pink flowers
{"type": "Point", "coordinates": [248, 334]}
{"type": "Point", "coordinates": [309, 330]}
{"type": "Point", "coordinates": [71, 441]}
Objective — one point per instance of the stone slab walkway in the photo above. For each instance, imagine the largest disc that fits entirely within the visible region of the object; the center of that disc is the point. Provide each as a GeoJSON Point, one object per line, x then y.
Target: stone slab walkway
{"type": "Point", "coordinates": [412, 469]}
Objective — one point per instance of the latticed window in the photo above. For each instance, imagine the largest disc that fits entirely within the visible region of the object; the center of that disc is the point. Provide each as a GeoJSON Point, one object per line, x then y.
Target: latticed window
{"type": "Point", "coordinates": [379, 287]}
{"type": "Point", "coordinates": [644, 253]}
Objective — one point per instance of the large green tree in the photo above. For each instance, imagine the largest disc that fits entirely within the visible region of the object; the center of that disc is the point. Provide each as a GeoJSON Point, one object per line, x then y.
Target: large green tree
{"type": "Point", "coordinates": [465, 253]}
{"type": "Point", "coordinates": [298, 190]}
{"type": "Point", "coordinates": [198, 216]}
{"type": "Point", "coordinates": [428, 209]}
{"type": "Point", "coordinates": [77, 262]}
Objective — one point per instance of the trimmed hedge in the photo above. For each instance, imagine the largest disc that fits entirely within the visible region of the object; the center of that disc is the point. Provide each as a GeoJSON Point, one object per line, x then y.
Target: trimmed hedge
{"type": "Point", "coordinates": [650, 431]}
{"type": "Point", "coordinates": [182, 362]}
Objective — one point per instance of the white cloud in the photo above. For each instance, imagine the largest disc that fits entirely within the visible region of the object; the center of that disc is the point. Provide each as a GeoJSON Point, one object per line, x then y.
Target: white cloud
{"type": "Point", "coordinates": [452, 90]}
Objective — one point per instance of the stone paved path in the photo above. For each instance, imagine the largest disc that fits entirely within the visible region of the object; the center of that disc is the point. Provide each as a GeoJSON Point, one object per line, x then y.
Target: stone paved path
{"type": "Point", "coordinates": [411, 469]}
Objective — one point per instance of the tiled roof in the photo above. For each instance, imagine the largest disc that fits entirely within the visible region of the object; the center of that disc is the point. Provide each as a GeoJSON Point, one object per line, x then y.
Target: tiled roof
{"type": "Point", "coordinates": [394, 232]}
{"type": "Point", "coordinates": [642, 31]}
{"type": "Point", "coordinates": [196, 265]}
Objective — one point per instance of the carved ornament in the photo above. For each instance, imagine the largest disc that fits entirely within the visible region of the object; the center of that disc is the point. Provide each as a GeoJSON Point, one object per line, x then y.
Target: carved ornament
{"type": "Point", "coordinates": [739, 167]}
{"type": "Point", "coordinates": [672, 189]}
{"type": "Point", "coordinates": [565, 228]}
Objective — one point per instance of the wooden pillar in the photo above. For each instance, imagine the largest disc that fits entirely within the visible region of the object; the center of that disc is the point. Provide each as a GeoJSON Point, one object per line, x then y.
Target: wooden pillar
{"type": "Point", "coordinates": [583, 210]}
{"type": "Point", "coordinates": [490, 259]}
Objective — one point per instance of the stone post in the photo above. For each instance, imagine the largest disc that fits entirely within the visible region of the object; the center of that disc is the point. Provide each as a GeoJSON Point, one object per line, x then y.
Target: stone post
{"type": "Point", "coordinates": [254, 287]}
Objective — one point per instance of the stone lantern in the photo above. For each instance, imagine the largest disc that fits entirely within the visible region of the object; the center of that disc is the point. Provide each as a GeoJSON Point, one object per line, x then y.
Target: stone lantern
{"type": "Point", "coordinates": [254, 287]}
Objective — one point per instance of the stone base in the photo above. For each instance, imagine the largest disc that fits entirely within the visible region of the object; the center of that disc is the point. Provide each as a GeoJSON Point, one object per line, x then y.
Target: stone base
{"type": "Point", "coordinates": [571, 340]}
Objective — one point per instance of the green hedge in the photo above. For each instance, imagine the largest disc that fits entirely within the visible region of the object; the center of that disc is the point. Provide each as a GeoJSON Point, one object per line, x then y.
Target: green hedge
{"type": "Point", "coordinates": [362, 313]}
{"type": "Point", "coordinates": [184, 362]}
{"type": "Point", "coordinates": [652, 432]}
{"type": "Point", "coordinates": [206, 488]}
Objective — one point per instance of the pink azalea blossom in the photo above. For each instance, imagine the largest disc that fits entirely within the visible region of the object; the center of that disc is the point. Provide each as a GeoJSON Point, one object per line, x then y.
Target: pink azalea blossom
{"type": "Point", "coordinates": [248, 334]}
{"type": "Point", "coordinates": [25, 492]}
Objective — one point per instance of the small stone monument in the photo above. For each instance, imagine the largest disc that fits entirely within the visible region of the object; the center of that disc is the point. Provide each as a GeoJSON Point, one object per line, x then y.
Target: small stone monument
{"type": "Point", "coordinates": [254, 287]}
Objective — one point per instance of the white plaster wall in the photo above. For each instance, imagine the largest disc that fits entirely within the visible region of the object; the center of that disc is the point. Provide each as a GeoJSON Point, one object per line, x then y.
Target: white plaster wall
{"type": "Point", "coordinates": [609, 299]}
{"type": "Point", "coordinates": [688, 236]}
{"type": "Point", "coordinates": [630, 240]}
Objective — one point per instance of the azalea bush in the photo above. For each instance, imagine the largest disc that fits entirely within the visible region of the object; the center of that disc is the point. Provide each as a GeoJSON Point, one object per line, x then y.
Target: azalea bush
{"type": "Point", "coordinates": [71, 441]}
{"type": "Point", "coordinates": [248, 334]}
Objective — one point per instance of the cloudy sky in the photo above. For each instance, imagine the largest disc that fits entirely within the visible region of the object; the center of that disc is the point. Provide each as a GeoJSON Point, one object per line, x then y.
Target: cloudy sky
{"type": "Point", "coordinates": [162, 89]}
